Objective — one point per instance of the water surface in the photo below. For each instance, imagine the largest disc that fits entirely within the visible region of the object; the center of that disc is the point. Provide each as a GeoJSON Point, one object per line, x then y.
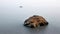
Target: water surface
{"type": "Point", "coordinates": [12, 16]}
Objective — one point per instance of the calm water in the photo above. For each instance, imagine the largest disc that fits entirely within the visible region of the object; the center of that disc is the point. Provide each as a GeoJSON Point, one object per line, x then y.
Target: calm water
{"type": "Point", "coordinates": [14, 12]}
